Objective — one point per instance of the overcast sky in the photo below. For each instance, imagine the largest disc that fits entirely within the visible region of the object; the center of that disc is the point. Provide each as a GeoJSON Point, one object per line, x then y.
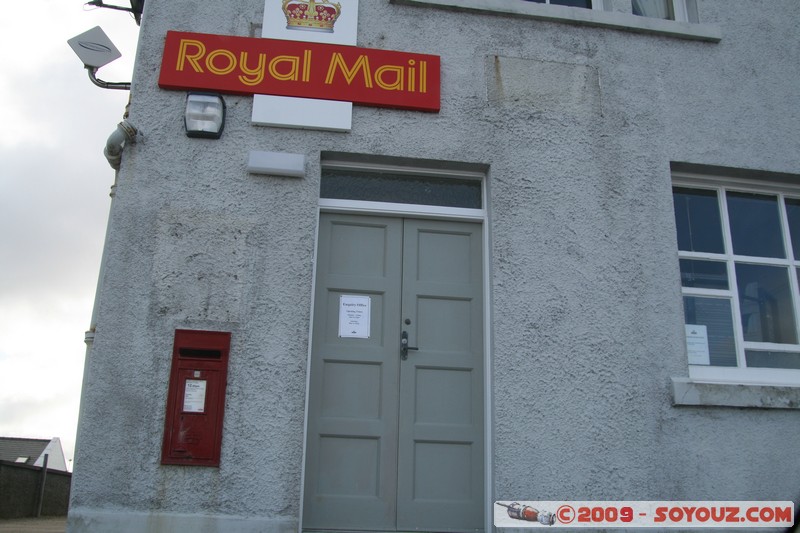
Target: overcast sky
{"type": "Point", "coordinates": [54, 186]}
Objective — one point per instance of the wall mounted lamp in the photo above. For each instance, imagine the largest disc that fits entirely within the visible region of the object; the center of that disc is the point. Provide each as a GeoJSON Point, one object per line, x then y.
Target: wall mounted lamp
{"type": "Point", "coordinates": [205, 115]}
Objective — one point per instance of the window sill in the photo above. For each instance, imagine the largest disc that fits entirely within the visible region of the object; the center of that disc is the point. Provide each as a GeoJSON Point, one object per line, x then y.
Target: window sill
{"type": "Point", "coordinates": [688, 392]}
{"type": "Point", "coordinates": [585, 17]}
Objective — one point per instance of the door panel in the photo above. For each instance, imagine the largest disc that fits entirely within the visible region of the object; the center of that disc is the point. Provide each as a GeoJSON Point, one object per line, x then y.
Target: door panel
{"type": "Point", "coordinates": [397, 444]}
{"type": "Point", "coordinates": [352, 422]}
{"type": "Point", "coordinates": [440, 453]}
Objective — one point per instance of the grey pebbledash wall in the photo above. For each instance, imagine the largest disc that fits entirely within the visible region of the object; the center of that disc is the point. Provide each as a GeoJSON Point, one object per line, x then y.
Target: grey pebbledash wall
{"type": "Point", "coordinates": [578, 126]}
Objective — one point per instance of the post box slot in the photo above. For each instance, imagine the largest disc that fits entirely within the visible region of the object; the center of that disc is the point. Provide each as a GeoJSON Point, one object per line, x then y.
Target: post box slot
{"type": "Point", "coordinates": [199, 353]}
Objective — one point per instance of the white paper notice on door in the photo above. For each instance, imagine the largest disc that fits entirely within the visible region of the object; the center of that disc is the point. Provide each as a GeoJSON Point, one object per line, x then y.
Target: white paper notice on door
{"type": "Point", "coordinates": [354, 312]}
{"type": "Point", "coordinates": [194, 396]}
{"type": "Point", "coordinates": [697, 344]}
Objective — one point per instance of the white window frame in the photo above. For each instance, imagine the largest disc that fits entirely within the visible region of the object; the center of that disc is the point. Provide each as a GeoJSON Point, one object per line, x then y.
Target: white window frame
{"type": "Point", "coordinates": [679, 10]}
{"type": "Point", "coordinates": [602, 15]}
{"type": "Point", "coordinates": [741, 374]}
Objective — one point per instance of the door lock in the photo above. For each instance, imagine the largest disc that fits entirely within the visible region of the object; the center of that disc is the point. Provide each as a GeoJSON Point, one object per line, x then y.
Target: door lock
{"type": "Point", "coordinates": [404, 347]}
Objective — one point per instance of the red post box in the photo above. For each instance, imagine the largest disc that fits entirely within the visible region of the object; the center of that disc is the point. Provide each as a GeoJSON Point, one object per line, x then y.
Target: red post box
{"type": "Point", "coordinates": [196, 398]}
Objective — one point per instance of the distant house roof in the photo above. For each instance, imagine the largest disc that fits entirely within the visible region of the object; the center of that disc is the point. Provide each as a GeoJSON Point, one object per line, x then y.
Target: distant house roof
{"type": "Point", "coordinates": [31, 452]}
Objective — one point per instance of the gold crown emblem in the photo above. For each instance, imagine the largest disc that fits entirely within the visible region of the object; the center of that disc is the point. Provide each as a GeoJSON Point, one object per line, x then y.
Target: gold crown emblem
{"type": "Point", "coordinates": [312, 15]}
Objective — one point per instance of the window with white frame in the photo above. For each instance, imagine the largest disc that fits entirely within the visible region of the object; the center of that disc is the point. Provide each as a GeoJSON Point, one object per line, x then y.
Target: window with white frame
{"type": "Point", "coordinates": [661, 9]}
{"type": "Point", "coordinates": [673, 18]}
{"type": "Point", "coordinates": [739, 253]}
{"type": "Point", "coordinates": [586, 4]}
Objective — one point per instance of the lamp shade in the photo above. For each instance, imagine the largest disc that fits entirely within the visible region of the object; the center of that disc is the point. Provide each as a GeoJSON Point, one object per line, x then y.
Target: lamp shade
{"type": "Point", "coordinates": [205, 115]}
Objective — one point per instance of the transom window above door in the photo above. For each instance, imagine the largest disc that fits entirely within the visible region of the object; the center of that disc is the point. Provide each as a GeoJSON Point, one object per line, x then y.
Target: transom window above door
{"type": "Point", "coordinates": [389, 185]}
{"type": "Point", "coordinates": [400, 188]}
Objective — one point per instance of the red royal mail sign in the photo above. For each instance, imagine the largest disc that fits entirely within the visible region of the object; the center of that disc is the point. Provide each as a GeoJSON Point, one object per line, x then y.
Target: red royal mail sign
{"type": "Point", "coordinates": [245, 65]}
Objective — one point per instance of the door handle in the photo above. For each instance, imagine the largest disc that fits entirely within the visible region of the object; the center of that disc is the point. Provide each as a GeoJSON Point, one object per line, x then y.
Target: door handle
{"type": "Point", "coordinates": [404, 347]}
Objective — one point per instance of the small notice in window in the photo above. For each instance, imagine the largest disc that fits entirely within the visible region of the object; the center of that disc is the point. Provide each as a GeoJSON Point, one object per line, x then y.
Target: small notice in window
{"type": "Point", "coordinates": [697, 344]}
{"type": "Point", "coordinates": [194, 396]}
{"type": "Point", "coordinates": [354, 316]}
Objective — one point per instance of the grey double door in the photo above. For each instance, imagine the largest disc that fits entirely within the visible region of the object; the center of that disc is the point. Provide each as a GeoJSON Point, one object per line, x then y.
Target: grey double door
{"type": "Point", "coordinates": [395, 437]}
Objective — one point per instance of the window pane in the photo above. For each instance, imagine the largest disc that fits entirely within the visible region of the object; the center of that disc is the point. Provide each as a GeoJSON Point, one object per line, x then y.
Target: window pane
{"type": "Point", "coordinates": [400, 188]}
{"type": "Point", "coordinates": [755, 225]}
{"type": "Point", "coordinates": [660, 9]}
{"type": "Point", "coordinates": [572, 3]}
{"type": "Point", "coordinates": [715, 314]}
{"type": "Point", "coordinates": [793, 214]}
{"type": "Point", "coordinates": [772, 359]}
{"type": "Point", "coordinates": [765, 302]}
{"type": "Point", "coordinates": [697, 220]}
{"type": "Point", "coordinates": [704, 274]}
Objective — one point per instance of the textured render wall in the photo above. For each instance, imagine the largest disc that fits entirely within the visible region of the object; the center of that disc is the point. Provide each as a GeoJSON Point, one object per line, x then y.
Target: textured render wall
{"type": "Point", "coordinates": [579, 126]}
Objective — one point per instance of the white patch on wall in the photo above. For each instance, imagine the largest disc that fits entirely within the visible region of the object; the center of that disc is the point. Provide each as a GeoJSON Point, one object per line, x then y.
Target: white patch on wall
{"type": "Point", "coordinates": [285, 111]}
